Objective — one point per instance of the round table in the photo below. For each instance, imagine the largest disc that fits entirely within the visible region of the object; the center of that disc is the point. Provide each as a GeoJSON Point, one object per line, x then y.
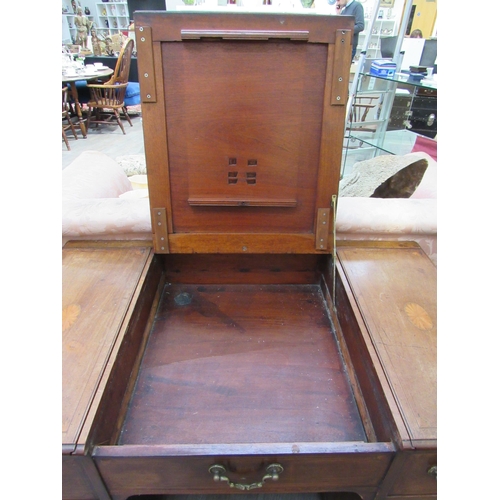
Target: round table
{"type": "Point", "coordinates": [87, 77]}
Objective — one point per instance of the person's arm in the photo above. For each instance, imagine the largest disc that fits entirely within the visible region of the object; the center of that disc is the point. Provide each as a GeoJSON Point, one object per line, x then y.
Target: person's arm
{"type": "Point", "coordinates": [359, 18]}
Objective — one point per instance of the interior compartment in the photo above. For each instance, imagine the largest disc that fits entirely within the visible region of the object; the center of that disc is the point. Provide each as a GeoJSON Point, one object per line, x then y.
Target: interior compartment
{"type": "Point", "coordinates": [242, 350]}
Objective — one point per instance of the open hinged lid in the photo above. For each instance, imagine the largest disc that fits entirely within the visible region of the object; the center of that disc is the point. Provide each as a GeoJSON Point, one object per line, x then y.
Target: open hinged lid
{"type": "Point", "coordinates": [243, 118]}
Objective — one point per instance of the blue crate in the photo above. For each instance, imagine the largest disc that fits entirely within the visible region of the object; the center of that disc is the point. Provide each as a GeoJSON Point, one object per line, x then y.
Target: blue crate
{"type": "Point", "coordinates": [383, 67]}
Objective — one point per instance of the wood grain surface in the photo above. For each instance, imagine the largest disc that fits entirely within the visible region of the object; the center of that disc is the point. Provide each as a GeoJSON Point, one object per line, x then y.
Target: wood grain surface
{"type": "Point", "coordinates": [242, 364]}
{"type": "Point", "coordinates": [243, 127]}
{"type": "Point", "coordinates": [98, 285]}
{"type": "Point", "coordinates": [396, 293]}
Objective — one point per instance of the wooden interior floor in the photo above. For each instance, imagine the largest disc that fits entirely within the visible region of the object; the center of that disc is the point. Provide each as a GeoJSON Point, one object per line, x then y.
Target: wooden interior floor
{"type": "Point", "coordinates": [108, 139]}
{"type": "Point", "coordinates": [215, 348]}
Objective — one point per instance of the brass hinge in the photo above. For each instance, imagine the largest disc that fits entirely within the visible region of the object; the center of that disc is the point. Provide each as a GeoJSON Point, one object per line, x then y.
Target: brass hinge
{"type": "Point", "coordinates": [322, 225]}
{"type": "Point", "coordinates": [144, 46]}
{"type": "Point", "coordinates": [160, 234]}
{"type": "Point", "coordinates": [334, 245]}
{"type": "Point", "coordinates": [342, 59]}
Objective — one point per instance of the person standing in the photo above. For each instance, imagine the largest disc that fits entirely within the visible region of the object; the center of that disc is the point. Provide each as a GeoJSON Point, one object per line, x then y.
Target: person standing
{"type": "Point", "coordinates": [353, 8]}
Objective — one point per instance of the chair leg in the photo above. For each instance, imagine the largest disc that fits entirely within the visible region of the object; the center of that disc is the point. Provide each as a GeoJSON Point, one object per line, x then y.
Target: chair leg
{"type": "Point", "coordinates": [89, 117]}
{"type": "Point", "coordinates": [71, 126]}
{"type": "Point", "coordinates": [124, 109]}
{"type": "Point", "coordinates": [117, 114]}
{"type": "Point", "coordinates": [65, 137]}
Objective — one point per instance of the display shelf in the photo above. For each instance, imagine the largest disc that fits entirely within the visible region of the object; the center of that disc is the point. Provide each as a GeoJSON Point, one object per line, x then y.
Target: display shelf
{"type": "Point", "coordinates": [370, 82]}
{"type": "Point", "coordinates": [387, 21]}
{"type": "Point", "coordinates": [112, 17]}
{"type": "Point", "coordinates": [381, 28]}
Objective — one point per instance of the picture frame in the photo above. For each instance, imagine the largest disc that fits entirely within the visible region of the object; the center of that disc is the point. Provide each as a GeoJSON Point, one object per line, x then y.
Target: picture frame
{"type": "Point", "coordinates": [387, 3]}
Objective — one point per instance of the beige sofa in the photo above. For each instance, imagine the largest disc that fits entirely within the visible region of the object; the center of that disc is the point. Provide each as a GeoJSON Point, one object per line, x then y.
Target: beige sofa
{"type": "Point", "coordinates": [95, 204]}
{"type": "Point", "coordinates": [99, 203]}
{"type": "Point", "coordinates": [395, 219]}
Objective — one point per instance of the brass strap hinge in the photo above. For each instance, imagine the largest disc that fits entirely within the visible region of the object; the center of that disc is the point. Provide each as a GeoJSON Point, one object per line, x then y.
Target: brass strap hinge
{"type": "Point", "coordinates": [334, 245]}
{"type": "Point", "coordinates": [144, 41]}
{"type": "Point", "coordinates": [160, 233]}
{"type": "Point", "coordinates": [342, 59]}
{"type": "Point", "coordinates": [322, 226]}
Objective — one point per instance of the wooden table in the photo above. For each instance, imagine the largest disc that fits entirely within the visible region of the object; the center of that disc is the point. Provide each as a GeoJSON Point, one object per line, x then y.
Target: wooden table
{"type": "Point", "coordinates": [87, 77]}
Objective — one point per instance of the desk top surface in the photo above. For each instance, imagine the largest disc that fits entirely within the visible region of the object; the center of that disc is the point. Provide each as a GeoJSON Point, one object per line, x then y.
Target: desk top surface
{"type": "Point", "coordinates": [395, 290]}
{"type": "Point", "coordinates": [98, 286]}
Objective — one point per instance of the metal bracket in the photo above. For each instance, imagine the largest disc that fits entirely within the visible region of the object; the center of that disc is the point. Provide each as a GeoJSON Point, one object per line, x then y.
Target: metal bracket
{"type": "Point", "coordinates": [144, 38]}
{"type": "Point", "coordinates": [160, 235]}
{"type": "Point", "coordinates": [322, 224]}
{"type": "Point", "coordinates": [334, 245]}
{"type": "Point", "coordinates": [341, 59]}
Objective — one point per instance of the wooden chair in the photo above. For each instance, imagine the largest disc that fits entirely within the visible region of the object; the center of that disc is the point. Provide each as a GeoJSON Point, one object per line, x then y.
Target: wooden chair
{"type": "Point", "coordinates": [107, 99]}
{"type": "Point", "coordinates": [66, 117]}
{"type": "Point", "coordinates": [359, 112]}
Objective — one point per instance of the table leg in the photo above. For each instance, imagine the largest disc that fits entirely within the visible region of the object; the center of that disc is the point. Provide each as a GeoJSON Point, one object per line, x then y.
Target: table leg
{"type": "Point", "coordinates": [81, 122]}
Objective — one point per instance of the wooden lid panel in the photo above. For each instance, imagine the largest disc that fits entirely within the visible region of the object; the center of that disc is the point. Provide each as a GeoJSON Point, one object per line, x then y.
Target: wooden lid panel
{"type": "Point", "coordinates": [98, 285]}
{"type": "Point", "coordinates": [243, 147]}
{"type": "Point", "coordinates": [395, 291]}
{"type": "Point", "coordinates": [179, 26]}
{"type": "Point", "coordinates": [243, 124]}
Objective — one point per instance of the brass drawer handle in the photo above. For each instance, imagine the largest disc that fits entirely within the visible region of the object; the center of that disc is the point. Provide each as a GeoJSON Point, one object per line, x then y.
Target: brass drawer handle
{"type": "Point", "coordinates": [272, 472]}
{"type": "Point", "coordinates": [433, 471]}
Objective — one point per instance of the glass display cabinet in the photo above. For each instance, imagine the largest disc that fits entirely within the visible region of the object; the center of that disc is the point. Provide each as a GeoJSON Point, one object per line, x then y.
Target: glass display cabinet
{"type": "Point", "coordinates": [387, 115]}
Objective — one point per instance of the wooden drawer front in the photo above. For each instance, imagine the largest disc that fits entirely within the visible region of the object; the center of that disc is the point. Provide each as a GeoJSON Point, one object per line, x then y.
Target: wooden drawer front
{"type": "Point", "coordinates": [413, 497]}
{"type": "Point", "coordinates": [414, 478]}
{"type": "Point", "coordinates": [162, 475]}
{"type": "Point", "coordinates": [80, 480]}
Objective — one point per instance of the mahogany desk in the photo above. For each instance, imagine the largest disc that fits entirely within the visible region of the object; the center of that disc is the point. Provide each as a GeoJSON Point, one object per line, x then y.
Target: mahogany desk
{"type": "Point", "coordinates": [243, 350]}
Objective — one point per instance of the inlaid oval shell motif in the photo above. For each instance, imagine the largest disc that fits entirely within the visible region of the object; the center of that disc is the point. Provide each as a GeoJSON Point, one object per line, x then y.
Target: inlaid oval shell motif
{"type": "Point", "coordinates": [69, 315]}
{"type": "Point", "coordinates": [418, 316]}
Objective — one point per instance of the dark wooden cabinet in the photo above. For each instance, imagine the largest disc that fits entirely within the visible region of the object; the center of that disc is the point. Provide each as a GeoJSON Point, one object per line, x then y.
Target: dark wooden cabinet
{"type": "Point", "coordinates": [239, 351]}
{"type": "Point", "coordinates": [418, 107]}
{"type": "Point", "coordinates": [424, 113]}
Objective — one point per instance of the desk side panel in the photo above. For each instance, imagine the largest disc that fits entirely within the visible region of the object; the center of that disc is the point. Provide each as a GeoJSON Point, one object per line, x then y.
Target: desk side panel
{"type": "Point", "coordinates": [98, 286]}
{"type": "Point", "coordinates": [395, 293]}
